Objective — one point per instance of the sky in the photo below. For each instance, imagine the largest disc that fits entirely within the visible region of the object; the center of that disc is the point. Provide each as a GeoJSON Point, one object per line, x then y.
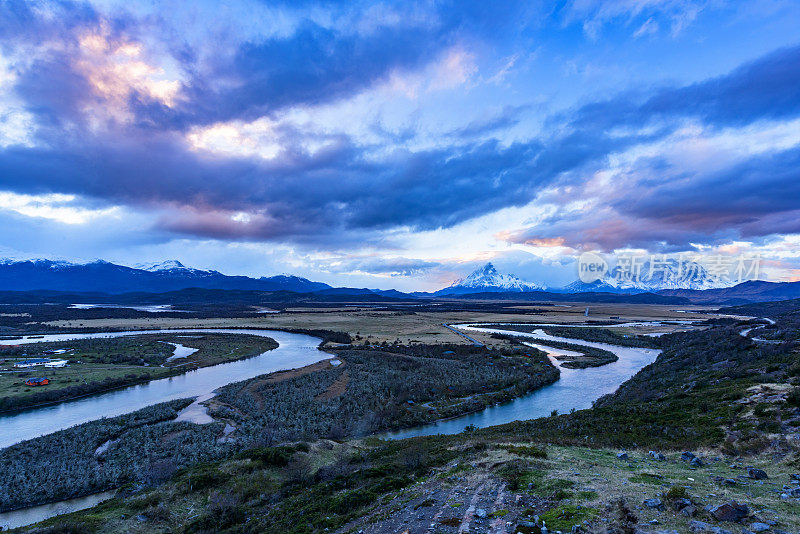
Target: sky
{"type": "Point", "coordinates": [399, 144]}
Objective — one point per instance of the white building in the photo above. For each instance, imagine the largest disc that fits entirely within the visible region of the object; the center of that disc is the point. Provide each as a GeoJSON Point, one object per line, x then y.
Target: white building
{"type": "Point", "coordinates": [56, 363]}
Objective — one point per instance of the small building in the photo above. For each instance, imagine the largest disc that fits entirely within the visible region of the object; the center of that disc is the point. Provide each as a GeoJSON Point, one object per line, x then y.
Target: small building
{"type": "Point", "coordinates": [56, 363]}
{"type": "Point", "coordinates": [37, 381]}
{"type": "Point", "coordinates": [32, 362]}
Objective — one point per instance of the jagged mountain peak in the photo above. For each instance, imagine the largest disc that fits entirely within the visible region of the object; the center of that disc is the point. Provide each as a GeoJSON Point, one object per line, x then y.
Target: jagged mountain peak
{"type": "Point", "coordinates": [488, 278]}
{"type": "Point", "coordinates": [669, 274]}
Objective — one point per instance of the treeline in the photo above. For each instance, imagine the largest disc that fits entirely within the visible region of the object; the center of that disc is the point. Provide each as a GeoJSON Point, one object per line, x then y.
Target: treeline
{"type": "Point", "coordinates": [327, 336]}
{"type": "Point", "coordinates": [590, 356]}
{"type": "Point", "coordinates": [374, 396]}
{"type": "Point", "coordinates": [595, 334]}
{"type": "Point", "coordinates": [47, 396]}
{"type": "Point", "coordinates": [149, 448]}
{"type": "Point", "coordinates": [685, 399]}
{"type": "Point", "coordinates": [383, 390]}
{"type": "Point", "coordinates": [148, 351]}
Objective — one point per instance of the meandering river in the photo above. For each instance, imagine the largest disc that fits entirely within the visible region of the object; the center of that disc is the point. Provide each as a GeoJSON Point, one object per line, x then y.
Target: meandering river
{"type": "Point", "coordinates": [576, 388]}
{"type": "Point", "coordinates": [294, 350]}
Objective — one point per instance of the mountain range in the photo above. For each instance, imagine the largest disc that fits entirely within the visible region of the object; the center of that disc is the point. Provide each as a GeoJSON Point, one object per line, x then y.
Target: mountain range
{"type": "Point", "coordinates": [485, 282]}
{"type": "Point", "coordinates": [105, 277]}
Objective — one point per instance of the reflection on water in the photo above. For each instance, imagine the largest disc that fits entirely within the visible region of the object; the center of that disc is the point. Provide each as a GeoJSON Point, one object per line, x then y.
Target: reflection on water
{"type": "Point", "coordinates": [577, 388]}
{"type": "Point", "coordinates": [295, 350]}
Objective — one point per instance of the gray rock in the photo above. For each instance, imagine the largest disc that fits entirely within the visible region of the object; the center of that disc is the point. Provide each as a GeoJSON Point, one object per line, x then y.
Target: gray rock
{"type": "Point", "coordinates": [679, 504]}
{"type": "Point", "coordinates": [652, 503]}
{"type": "Point", "coordinates": [480, 512]}
{"type": "Point", "coordinates": [622, 455]}
{"type": "Point", "coordinates": [689, 511]}
{"type": "Point", "coordinates": [686, 456]}
{"type": "Point", "coordinates": [794, 492]}
{"type": "Point", "coordinates": [730, 511]}
{"type": "Point", "coordinates": [759, 527]}
{"type": "Point", "coordinates": [757, 474]}
{"type": "Point", "coordinates": [696, 462]}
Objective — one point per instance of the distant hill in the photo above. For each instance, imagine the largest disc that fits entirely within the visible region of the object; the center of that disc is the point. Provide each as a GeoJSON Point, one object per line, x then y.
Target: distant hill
{"type": "Point", "coordinates": [752, 291]}
{"type": "Point", "coordinates": [548, 296]}
{"type": "Point", "coordinates": [105, 277]}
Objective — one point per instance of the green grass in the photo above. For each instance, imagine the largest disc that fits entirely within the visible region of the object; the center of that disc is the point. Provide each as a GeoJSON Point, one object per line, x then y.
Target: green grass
{"type": "Point", "coordinates": [101, 364]}
{"type": "Point", "coordinates": [564, 516]}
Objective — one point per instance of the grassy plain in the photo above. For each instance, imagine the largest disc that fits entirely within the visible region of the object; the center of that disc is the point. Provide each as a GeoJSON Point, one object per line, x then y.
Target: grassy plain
{"type": "Point", "coordinates": [376, 326]}
{"type": "Point", "coordinates": [96, 365]}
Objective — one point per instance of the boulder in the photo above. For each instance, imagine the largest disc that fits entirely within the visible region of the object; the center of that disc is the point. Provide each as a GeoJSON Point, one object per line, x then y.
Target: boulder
{"type": "Point", "coordinates": [696, 462]}
{"type": "Point", "coordinates": [759, 527]}
{"type": "Point", "coordinates": [730, 511]}
{"type": "Point", "coordinates": [757, 474]}
{"type": "Point", "coordinates": [652, 503]}
{"type": "Point", "coordinates": [480, 512]}
{"type": "Point", "coordinates": [680, 504]}
{"type": "Point", "coordinates": [686, 456]}
{"type": "Point", "coordinates": [622, 456]}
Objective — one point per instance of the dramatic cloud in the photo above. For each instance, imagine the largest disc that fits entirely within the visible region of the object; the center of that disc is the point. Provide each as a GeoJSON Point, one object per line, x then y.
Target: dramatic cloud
{"type": "Point", "coordinates": [339, 127]}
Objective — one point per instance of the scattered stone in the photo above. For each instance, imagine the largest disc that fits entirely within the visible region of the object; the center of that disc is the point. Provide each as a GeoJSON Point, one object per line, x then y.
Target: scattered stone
{"type": "Point", "coordinates": [687, 456]}
{"type": "Point", "coordinates": [652, 503]}
{"type": "Point", "coordinates": [731, 511]}
{"type": "Point", "coordinates": [480, 512]}
{"type": "Point", "coordinates": [696, 462]}
{"type": "Point", "coordinates": [699, 526]}
{"type": "Point", "coordinates": [757, 474]}
{"type": "Point", "coordinates": [622, 455]}
{"type": "Point", "coordinates": [759, 527]}
{"type": "Point", "coordinates": [681, 503]}
{"type": "Point", "coordinates": [689, 511]}
{"type": "Point", "coordinates": [794, 492]}
{"type": "Point", "coordinates": [657, 455]}
{"type": "Point", "coordinates": [729, 482]}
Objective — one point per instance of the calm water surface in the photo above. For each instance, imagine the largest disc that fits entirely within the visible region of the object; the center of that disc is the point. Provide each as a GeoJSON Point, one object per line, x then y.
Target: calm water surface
{"type": "Point", "coordinates": [295, 350]}
{"type": "Point", "coordinates": [577, 388]}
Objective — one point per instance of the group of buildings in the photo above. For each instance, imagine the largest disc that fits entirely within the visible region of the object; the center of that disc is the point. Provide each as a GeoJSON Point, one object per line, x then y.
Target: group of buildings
{"type": "Point", "coordinates": [51, 363]}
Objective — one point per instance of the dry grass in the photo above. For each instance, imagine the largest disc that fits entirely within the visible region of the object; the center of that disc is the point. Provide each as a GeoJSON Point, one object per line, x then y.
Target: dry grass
{"type": "Point", "coordinates": [423, 327]}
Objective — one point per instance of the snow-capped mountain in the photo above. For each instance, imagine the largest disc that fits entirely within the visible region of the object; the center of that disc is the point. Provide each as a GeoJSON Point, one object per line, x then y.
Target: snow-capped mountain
{"type": "Point", "coordinates": [644, 277]}
{"type": "Point", "coordinates": [489, 279]}
{"type": "Point", "coordinates": [166, 265]}
{"type": "Point", "coordinates": [105, 277]}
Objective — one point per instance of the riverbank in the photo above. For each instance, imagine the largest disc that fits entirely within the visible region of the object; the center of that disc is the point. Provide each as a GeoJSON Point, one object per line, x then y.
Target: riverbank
{"type": "Point", "coordinates": [101, 365]}
{"type": "Point", "coordinates": [370, 390]}
{"type": "Point", "coordinates": [714, 393]}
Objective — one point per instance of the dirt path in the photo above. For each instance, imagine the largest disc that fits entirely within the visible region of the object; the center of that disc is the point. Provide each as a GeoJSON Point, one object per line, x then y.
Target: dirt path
{"type": "Point", "coordinates": [456, 504]}
{"type": "Point", "coordinates": [335, 389]}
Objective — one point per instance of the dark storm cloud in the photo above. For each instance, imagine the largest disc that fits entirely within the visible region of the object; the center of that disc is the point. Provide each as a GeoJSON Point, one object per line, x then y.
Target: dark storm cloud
{"type": "Point", "coordinates": [317, 64]}
{"type": "Point", "coordinates": [343, 186]}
